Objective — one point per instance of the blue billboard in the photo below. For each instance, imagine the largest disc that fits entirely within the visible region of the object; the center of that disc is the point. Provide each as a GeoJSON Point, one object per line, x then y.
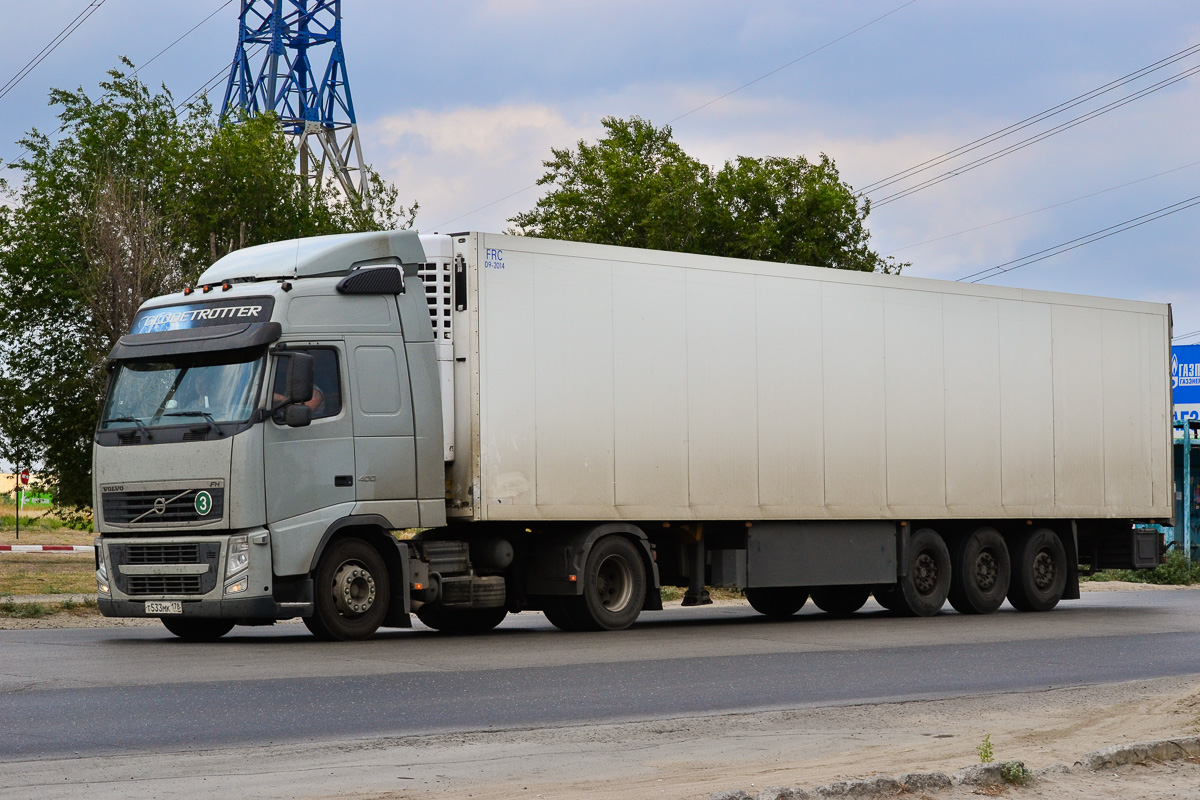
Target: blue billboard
{"type": "Point", "coordinates": [1185, 381]}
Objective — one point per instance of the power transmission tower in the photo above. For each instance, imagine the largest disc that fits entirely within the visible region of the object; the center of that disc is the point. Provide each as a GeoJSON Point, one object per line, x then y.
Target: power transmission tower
{"type": "Point", "coordinates": [285, 35]}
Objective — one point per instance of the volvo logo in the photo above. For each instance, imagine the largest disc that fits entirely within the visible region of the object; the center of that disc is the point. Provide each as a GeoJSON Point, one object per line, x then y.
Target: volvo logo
{"type": "Point", "coordinates": [160, 505]}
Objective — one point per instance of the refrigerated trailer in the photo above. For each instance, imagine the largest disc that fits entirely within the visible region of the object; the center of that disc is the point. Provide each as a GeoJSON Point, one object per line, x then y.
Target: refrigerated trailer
{"type": "Point", "coordinates": [352, 429]}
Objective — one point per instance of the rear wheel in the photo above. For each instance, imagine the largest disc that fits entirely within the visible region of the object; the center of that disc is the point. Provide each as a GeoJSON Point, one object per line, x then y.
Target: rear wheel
{"type": "Point", "coordinates": [191, 629]}
{"type": "Point", "coordinates": [351, 590]}
{"type": "Point", "coordinates": [778, 602]}
{"type": "Point", "coordinates": [888, 596]}
{"type": "Point", "coordinates": [980, 572]}
{"type": "Point", "coordinates": [461, 620]}
{"type": "Point", "coordinates": [840, 601]}
{"type": "Point", "coordinates": [1039, 566]}
{"type": "Point", "coordinates": [923, 589]}
{"type": "Point", "coordinates": [614, 589]}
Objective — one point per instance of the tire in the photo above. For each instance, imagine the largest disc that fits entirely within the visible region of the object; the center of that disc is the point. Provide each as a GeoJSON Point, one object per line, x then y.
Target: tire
{"type": "Point", "coordinates": [777, 602]}
{"type": "Point", "coordinates": [926, 583]}
{"type": "Point", "coordinates": [980, 571]}
{"type": "Point", "coordinates": [840, 601]}
{"type": "Point", "coordinates": [888, 596]}
{"type": "Point", "coordinates": [192, 629]}
{"type": "Point", "coordinates": [1039, 571]}
{"type": "Point", "coordinates": [461, 620]}
{"type": "Point", "coordinates": [352, 588]}
{"type": "Point", "coordinates": [560, 611]}
{"type": "Point", "coordinates": [614, 587]}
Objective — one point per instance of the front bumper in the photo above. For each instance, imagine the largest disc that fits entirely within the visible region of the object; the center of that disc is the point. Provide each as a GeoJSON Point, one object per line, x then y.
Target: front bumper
{"type": "Point", "coordinates": [193, 571]}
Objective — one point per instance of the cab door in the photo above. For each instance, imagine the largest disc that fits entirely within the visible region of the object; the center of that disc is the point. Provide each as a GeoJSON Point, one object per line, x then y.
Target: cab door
{"type": "Point", "coordinates": [312, 468]}
{"type": "Point", "coordinates": [384, 439]}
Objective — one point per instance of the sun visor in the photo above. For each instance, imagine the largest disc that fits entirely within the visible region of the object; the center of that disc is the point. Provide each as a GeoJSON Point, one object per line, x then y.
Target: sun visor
{"type": "Point", "coordinates": [189, 341]}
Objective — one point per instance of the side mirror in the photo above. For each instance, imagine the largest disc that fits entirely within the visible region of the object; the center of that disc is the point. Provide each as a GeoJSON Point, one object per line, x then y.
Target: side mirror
{"type": "Point", "coordinates": [297, 415]}
{"type": "Point", "coordinates": [298, 385]}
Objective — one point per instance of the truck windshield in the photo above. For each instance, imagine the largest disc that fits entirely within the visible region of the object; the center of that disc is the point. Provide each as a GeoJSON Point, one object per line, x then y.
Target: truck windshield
{"type": "Point", "coordinates": [184, 390]}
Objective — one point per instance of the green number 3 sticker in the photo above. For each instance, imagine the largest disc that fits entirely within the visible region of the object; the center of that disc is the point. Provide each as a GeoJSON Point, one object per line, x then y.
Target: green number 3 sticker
{"type": "Point", "coordinates": [203, 503]}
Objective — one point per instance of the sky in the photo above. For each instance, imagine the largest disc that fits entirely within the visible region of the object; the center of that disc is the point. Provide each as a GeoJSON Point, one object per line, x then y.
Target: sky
{"type": "Point", "coordinates": [458, 103]}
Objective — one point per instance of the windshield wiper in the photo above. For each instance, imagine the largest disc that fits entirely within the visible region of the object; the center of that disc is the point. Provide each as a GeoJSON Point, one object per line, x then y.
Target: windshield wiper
{"type": "Point", "coordinates": [212, 425]}
{"type": "Point", "coordinates": [140, 425]}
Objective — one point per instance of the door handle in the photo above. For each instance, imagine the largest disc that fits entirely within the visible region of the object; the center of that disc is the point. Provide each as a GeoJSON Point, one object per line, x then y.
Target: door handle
{"type": "Point", "coordinates": [343, 480]}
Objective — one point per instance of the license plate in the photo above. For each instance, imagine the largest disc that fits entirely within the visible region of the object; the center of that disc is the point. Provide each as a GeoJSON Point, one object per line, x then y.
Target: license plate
{"type": "Point", "coordinates": [164, 607]}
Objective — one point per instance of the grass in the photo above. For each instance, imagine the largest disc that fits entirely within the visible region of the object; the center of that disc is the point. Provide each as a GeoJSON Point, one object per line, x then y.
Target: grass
{"type": "Point", "coordinates": [671, 593]}
{"type": "Point", "coordinates": [46, 573]}
{"type": "Point", "coordinates": [1178, 571]}
{"type": "Point", "coordinates": [39, 610]}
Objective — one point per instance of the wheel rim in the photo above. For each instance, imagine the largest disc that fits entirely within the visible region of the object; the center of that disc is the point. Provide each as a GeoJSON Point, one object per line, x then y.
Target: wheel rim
{"type": "Point", "coordinates": [925, 574]}
{"type": "Point", "coordinates": [614, 583]}
{"type": "Point", "coordinates": [986, 570]}
{"type": "Point", "coordinates": [1044, 570]}
{"type": "Point", "coordinates": [353, 589]}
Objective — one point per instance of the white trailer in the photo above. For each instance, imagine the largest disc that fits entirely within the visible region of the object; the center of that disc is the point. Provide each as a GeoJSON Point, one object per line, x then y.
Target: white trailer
{"type": "Point", "coordinates": [576, 425]}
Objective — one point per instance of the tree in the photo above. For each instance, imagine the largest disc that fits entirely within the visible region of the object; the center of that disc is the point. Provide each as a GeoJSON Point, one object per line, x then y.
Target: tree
{"type": "Point", "coordinates": [131, 199]}
{"type": "Point", "coordinates": [637, 187]}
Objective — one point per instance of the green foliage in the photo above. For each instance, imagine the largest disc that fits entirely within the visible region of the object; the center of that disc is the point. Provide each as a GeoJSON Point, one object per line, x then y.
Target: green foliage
{"type": "Point", "coordinates": [1014, 772]}
{"type": "Point", "coordinates": [25, 610]}
{"type": "Point", "coordinates": [1178, 571]}
{"type": "Point", "coordinates": [986, 754]}
{"type": "Point", "coordinates": [132, 199]}
{"type": "Point", "coordinates": [637, 187]}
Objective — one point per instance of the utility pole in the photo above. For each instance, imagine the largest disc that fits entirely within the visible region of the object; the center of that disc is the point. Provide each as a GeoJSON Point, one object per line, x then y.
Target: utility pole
{"type": "Point", "coordinates": [273, 70]}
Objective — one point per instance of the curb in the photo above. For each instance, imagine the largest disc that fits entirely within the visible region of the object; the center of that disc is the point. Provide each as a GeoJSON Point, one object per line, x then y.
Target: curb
{"type": "Point", "coordinates": [46, 548]}
{"type": "Point", "coordinates": [977, 774]}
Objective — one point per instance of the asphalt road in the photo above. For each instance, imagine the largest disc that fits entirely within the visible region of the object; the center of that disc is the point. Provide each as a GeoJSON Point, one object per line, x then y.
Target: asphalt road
{"type": "Point", "coordinates": [127, 690]}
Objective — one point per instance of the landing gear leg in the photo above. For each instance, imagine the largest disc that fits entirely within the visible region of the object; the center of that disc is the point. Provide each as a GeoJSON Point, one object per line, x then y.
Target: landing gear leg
{"type": "Point", "coordinates": [696, 594]}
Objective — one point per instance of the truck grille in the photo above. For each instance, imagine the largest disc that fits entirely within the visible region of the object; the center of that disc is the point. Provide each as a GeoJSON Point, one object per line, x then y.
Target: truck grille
{"type": "Point", "coordinates": [163, 584]}
{"type": "Point", "coordinates": [158, 506]}
{"type": "Point", "coordinates": [162, 554]}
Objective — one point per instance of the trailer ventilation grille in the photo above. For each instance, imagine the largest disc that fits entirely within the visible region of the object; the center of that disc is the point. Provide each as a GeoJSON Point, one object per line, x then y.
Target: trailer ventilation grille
{"type": "Point", "coordinates": [163, 584]}
{"type": "Point", "coordinates": [438, 279]}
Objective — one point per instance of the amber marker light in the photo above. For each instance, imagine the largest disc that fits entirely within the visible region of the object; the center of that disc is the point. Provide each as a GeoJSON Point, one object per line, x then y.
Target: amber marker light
{"type": "Point", "coordinates": [572, 578]}
{"type": "Point", "coordinates": [226, 286]}
{"type": "Point", "coordinates": [207, 289]}
{"type": "Point", "coordinates": [187, 290]}
{"type": "Point", "coordinates": [418, 587]}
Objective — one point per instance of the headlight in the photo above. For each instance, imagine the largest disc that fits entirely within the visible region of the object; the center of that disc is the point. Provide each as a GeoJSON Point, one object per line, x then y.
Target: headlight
{"type": "Point", "coordinates": [238, 557]}
{"type": "Point", "coordinates": [101, 572]}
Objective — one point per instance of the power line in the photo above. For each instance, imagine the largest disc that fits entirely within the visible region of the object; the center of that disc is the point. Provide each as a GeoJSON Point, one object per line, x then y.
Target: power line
{"type": "Point", "coordinates": [1080, 241]}
{"type": "Point", "coordinates": [45, 52]}
{"type": "Point", "coordinates": [1021, 145]}
{"type": "Point", "coordinates": [1020, 125]}
{"type": "Point", "coordinates": [190, 31]}
{"type": "Point", "coordinates": [1038, 210]}
{"type": "Point", "coordinates": [1185, 336]}
{"type": "Point", "coordinates": [706, 105]}
{"type": "Point", "coordinates": [793, 61]}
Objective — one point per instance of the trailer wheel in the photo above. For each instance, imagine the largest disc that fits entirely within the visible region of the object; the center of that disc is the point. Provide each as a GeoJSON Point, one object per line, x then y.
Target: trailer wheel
{"type": "Point", "coordinates": [351, 590]}
{"type": "Point", "coordinates": [614, 586]}
{"type": "Point", "coordinates": [461, 620]}
{"type": "Point", "coordinates": [840, 601]}
{"type": "Point", "coordinates": [198, 630]}
{"type": "Point", "coordinates": [923, 589]}
{"type": "Point", "coordinates": [777, 602]}
{"type": "Point", "coordinates": [888, 596]}
{"type": "Point", "coordinates": [980, 572]}
{"type": "Point", "coordinates": [1039, 566]}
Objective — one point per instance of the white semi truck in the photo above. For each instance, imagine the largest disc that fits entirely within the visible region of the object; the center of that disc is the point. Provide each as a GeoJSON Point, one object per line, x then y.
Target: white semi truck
{"type": "Point", "coordinates": [572, 426]}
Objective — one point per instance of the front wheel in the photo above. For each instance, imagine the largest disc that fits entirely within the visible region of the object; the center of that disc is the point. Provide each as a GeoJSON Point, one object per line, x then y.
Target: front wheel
{"type": "Point", "coordinates": [352, 588]}
{"type": "Point", "coordinates": [191, 629]}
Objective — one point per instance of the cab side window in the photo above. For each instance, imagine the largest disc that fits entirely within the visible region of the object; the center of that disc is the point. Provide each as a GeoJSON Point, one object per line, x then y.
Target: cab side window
{"type": "Point", "coordinates": [327, 382]}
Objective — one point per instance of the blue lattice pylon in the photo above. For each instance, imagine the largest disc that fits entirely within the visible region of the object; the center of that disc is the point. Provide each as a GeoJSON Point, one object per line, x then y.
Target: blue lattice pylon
{"type": "Point", "coordinates": [272, 70]}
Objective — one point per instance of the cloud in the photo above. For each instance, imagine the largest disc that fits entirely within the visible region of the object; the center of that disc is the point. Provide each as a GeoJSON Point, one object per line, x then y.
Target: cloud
{"type": "Point", "coordinates": [455, 161]}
